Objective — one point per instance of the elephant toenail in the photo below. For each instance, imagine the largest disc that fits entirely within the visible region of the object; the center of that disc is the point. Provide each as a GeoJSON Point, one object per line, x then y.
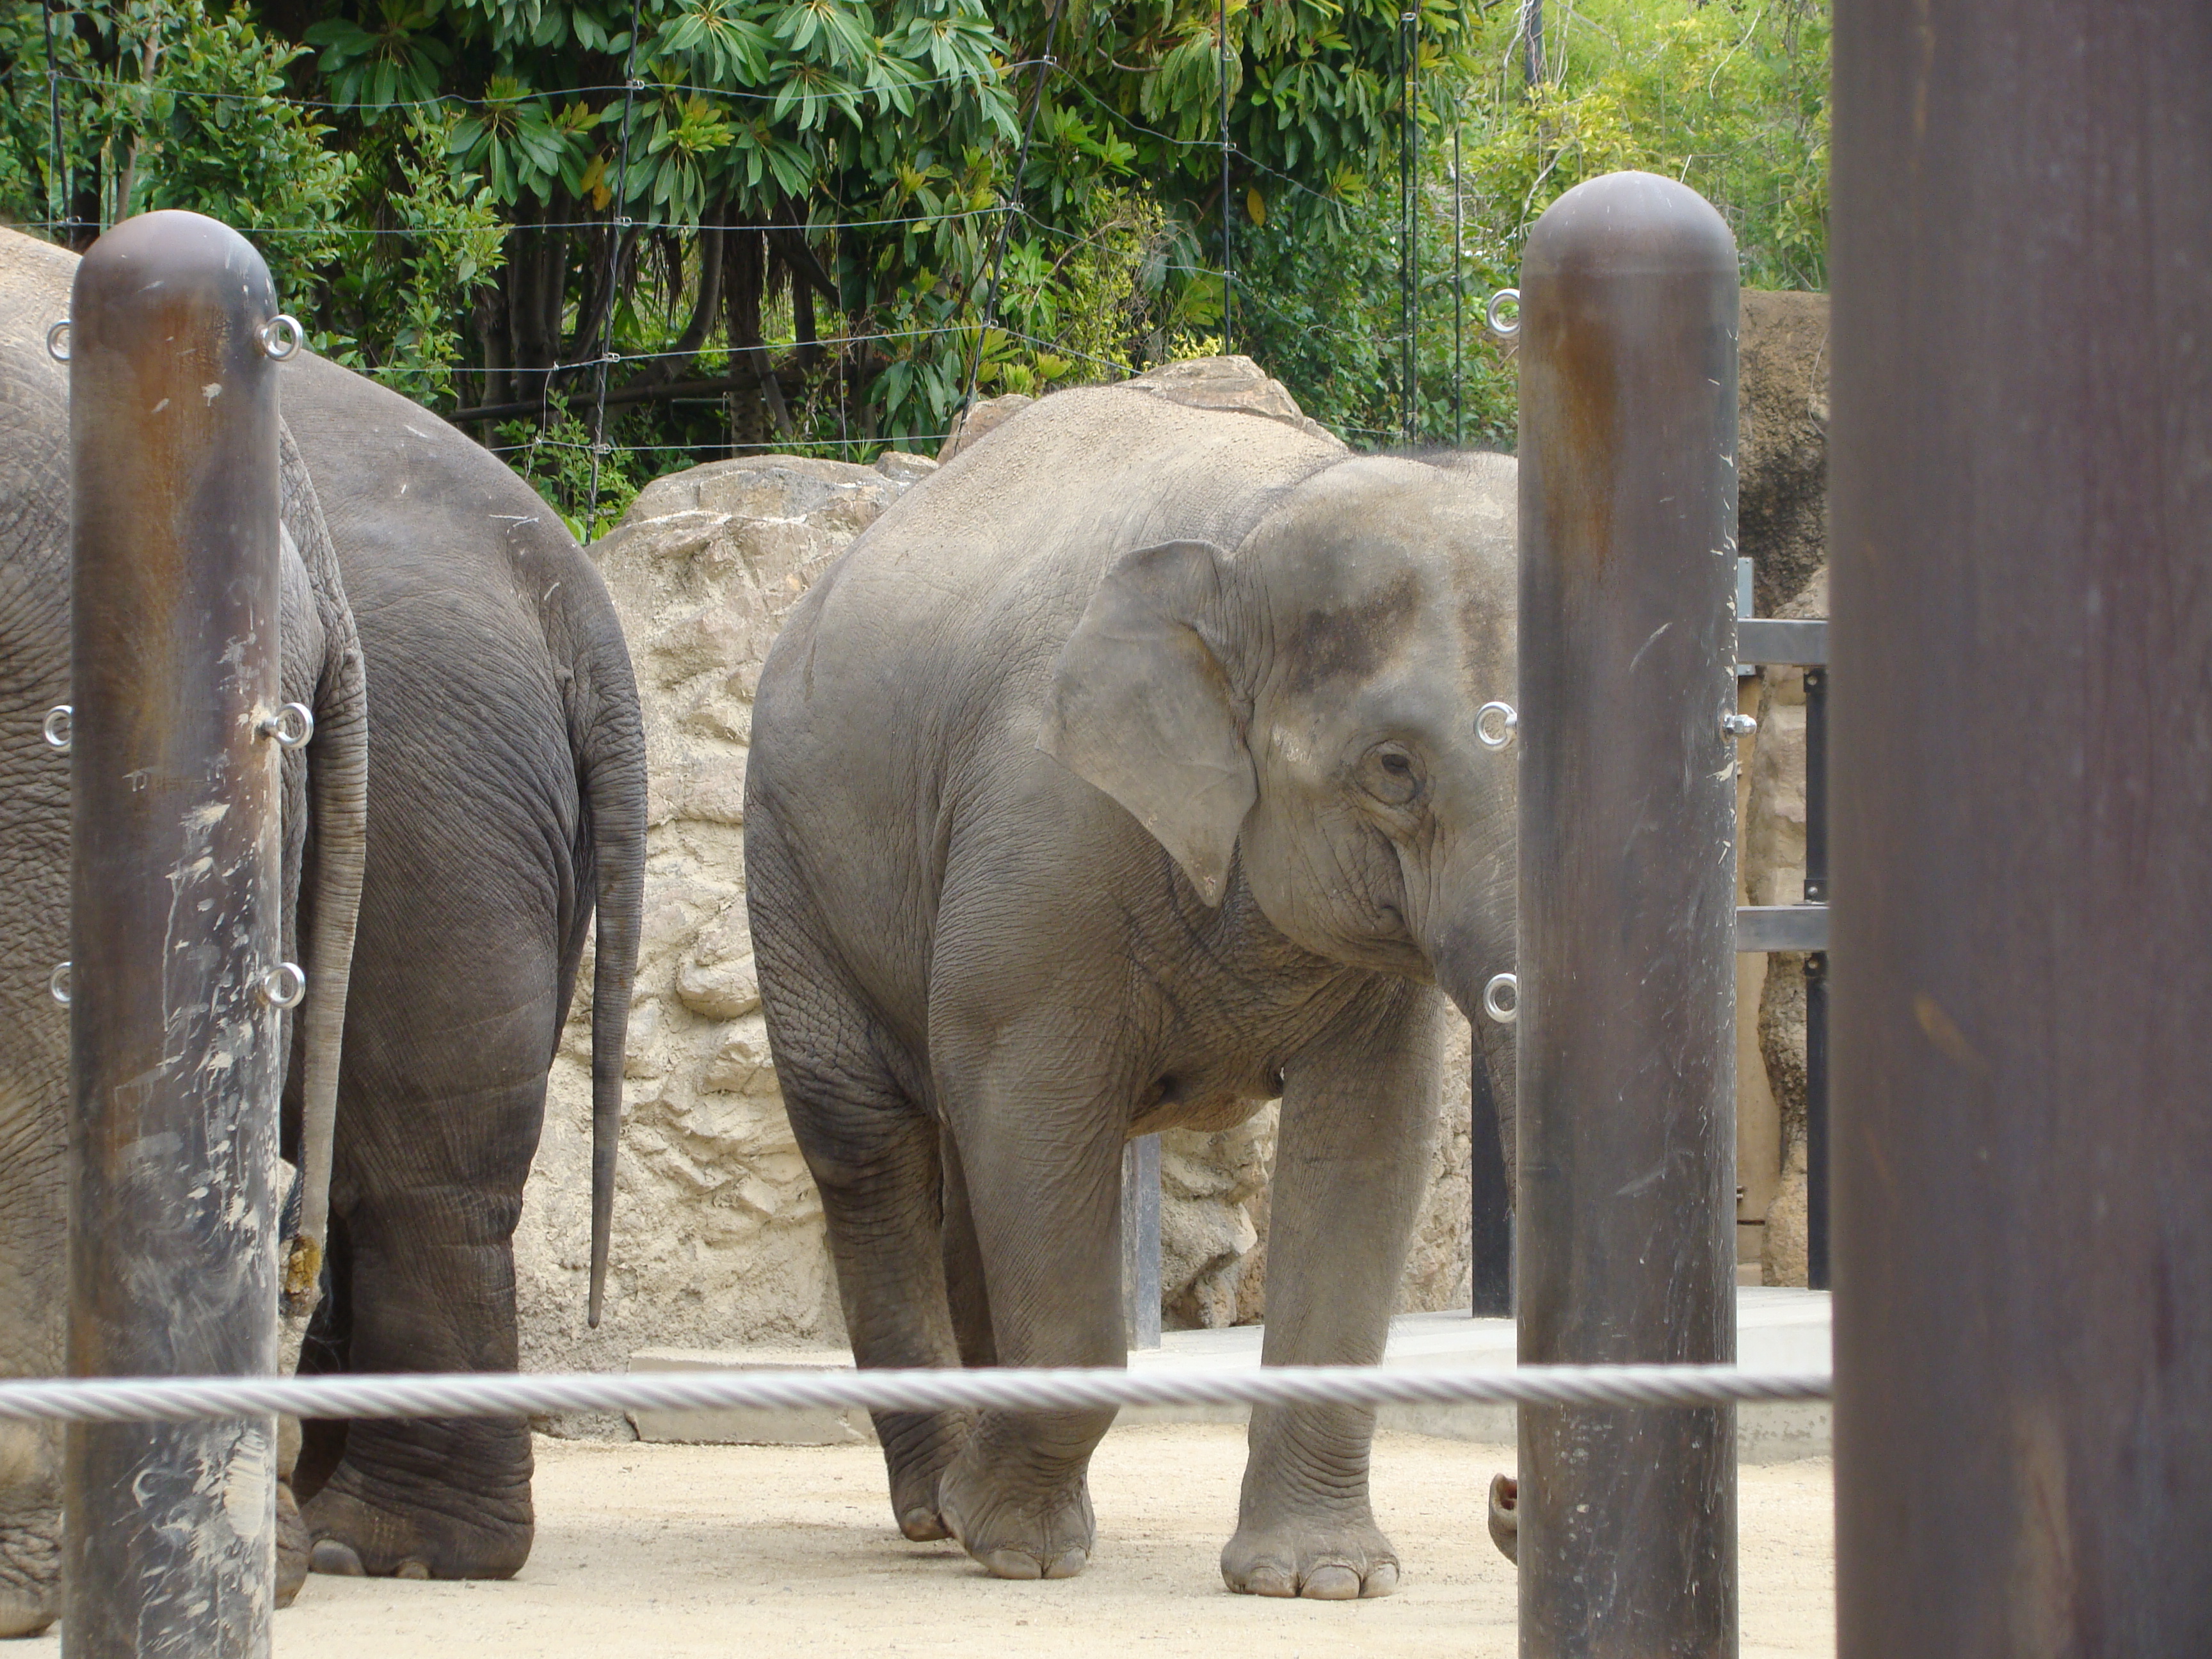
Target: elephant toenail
{"type": "Point", "coordinates": [1270, 1581]}
{"type": "Point", "coordinates": [1011, 1564]}
{"type": "Point", "coordinates": [1068, 1564]}
{"type": "Point", "coordinates": [1381, 1580]}
{"type": "Point", "coordinates": [411, 1568]}
{"type": "Point", "coordinates": [921, 1526]}
{"type": "Point", "coordinates": [338, 1560]}
{"type": "Point", "coordinates": [1331, 1584]}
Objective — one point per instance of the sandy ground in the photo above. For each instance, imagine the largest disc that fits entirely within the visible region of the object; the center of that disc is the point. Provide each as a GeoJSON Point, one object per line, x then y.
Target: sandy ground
{"type": "Point", "coordinates": [677, 1550]}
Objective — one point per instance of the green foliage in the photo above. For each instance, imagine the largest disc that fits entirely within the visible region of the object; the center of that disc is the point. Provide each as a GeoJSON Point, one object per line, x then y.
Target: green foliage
{"type": "Point", "coordinates": [448, 213]}
{"type": "Point", "coordinates": [167, 104]}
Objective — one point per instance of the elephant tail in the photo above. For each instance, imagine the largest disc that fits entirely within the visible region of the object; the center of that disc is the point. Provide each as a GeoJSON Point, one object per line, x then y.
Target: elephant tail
{"type": "Point", "coordinates": [338, 828]}
{"type": "Point", "coordinates": [612, 774]}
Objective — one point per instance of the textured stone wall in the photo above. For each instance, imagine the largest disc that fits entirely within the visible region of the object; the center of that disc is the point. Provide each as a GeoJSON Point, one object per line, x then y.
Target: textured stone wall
{"type": "Point", "coordinates": [717, 1234]}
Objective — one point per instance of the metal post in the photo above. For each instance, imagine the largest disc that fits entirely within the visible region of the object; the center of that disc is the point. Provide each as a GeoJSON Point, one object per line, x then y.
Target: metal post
{"type": "Point", "coordinates": [1228, 244]}
{"type": "Point", "coordinates": [170, 1546]}
{"type": "Point", "coordinates": [1409, 257]}
{"type": "Point", "coordinates": [1459, 296]}
{"type": "Point", "coordinates": [1140, 1241]}
{"type": "Point", "coordinates": [1627, 968]}
{"type": "Point", "coordinates": [2021, 534]}
{"type": "Point", "coordinates": [1817, 1188]}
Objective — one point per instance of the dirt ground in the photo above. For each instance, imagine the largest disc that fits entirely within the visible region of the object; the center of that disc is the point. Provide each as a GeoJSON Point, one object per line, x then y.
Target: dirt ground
{"type": "Point", "coordinates": [666, 1550]}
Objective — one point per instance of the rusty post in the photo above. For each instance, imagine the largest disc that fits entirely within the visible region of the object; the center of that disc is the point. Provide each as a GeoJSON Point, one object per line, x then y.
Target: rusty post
{"type": "Point", "coordinates": [2022, 743]}
{"type": "Point", "coordinates": [1627, 1145]}
{"type": "Point", "coordinates": [170, 1542]}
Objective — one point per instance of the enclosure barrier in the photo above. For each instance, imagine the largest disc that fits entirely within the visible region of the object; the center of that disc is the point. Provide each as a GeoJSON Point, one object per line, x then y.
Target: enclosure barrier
{"type": "Point", "coordinates": [2021, 535]}
{"type": "Point", "coordinates": [479, 1393]}
{"type": "Point", "coordinates": [1626, 1242]}
{"type": "Point", "coordinates": [174, 986]}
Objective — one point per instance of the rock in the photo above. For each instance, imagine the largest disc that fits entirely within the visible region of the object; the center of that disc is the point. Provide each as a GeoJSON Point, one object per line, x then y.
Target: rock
{"type": "Point", "coordinates": [718, 1239]}
{"type": "Point", "coordinates": [980, 422]}
{"type": "Point", "coordinates": [901, 468]}
{"type": "Point", "coordinates": [1233, 383]}
{"type": "Point", "coordinates": [1782, 441]}
{"type": "Point", "coordinates": [1773, 859]}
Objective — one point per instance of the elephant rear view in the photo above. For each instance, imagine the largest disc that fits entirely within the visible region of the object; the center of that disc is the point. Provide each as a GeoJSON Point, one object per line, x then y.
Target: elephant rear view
{"type": "Point", "coordinates": [506, 803]}
{"type": "Point", "coordinates": [1121, 777]}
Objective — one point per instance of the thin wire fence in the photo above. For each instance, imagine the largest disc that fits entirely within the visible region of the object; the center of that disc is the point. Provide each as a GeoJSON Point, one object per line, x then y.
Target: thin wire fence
{"type": "Point", "coordinates": [977, 330]}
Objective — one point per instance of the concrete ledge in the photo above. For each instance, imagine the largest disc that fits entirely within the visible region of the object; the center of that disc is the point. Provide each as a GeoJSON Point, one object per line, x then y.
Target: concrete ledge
{"type": "Point", "coordinates": [747, 1427]}
{"type": "Point", "coordinates": [1776, 1330]}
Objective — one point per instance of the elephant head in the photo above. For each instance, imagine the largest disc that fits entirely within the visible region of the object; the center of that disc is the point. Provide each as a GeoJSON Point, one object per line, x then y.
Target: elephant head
{"type": "Point", "coordinates": [1301, 710]}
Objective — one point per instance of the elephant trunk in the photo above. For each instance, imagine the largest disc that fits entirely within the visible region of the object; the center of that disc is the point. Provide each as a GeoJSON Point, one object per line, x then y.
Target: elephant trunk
{"type": "Point", "coordinates": [1469, 943]}
{"type": "Point", "coordinates": [337, 816]}
{"type": "Point", "coordinates": [613, 777]}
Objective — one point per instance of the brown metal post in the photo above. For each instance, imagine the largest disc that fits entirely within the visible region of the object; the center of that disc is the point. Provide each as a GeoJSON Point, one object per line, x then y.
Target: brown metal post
{"type": "Point", "coordinates": [2021, 456]}
{"type": "Point", "coordinates": [1627, 966]}
{"type": "Point", "coordinates": [170, 1546]}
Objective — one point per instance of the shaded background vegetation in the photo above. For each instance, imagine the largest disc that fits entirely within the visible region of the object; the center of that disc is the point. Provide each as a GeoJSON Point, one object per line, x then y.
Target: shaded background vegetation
{"type": "Point", "coordinates": [776, 223]}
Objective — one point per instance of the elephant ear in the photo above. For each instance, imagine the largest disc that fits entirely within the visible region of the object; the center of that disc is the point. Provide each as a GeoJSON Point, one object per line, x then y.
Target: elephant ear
{"type": "Point", "coordinates": [1143, 707]}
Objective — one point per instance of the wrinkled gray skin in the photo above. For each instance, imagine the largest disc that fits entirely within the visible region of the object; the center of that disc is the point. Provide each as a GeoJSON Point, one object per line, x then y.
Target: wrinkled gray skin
{"type": "Point", "coordinates": [1123, 776]}
{"type": "Point", "coordinates": [506, 800]}
{"type": "Point", "coordinates": [324, 786]}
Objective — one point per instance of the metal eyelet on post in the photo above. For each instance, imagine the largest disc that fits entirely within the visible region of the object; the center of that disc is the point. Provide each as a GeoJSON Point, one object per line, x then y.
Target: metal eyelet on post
{"type": "Point", "coordinates": [1494, 725]}
{"type": "Point", "coordinates": [291, 725]}
{"type": "Point", "coordinates": [1504, 296]}
{"type": "Point", "coordinates": [1734, 724]}
{"type": "Point", "coordinates": [57, 985]}
{"type": "Point", "coordinates": [60, 729]}
{"type": "Point", "coordinates": [58, 341]}
{"type": "Point", "coordinates": [284, 985]}
{"type": "Point", "coordinates": [1507, 1011]}
{"type": "Point", "coordinates": [282, 337]}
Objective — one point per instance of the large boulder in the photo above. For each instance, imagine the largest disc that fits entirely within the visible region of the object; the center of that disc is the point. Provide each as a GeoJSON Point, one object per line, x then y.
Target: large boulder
{"type": "Point", "coordinates": [1782, 441]}
{"type": "Point", "coordinates": [718, 1238]}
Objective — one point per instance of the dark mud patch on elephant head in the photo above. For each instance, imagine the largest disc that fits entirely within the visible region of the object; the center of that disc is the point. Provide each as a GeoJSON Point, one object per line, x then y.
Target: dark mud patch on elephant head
{"type": "Point", "coordinates": [1351, 642]}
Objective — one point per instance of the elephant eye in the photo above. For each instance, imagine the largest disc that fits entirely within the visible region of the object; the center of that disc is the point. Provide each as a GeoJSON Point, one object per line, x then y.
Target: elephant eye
{"type": "Point", "coordinates": [1391, 775]}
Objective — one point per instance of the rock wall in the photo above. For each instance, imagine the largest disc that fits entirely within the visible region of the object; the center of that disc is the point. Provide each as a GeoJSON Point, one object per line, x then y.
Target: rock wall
{"type": "Point", "coordinates": [717, 1234]}
{"type": "Point", "coordinates": [1782, 527]}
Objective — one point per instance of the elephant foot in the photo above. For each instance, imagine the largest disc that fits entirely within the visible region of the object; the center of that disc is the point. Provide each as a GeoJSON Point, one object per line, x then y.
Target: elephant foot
{"type": "Point", "coordinates": [918, 1447]}
{"type": "Point", "coordinates": [1016, 1524]}
{"type": "Point", "coordinates": [30, 1572]}
{"type": "Point", "coordinates": [1319, 1563]}
{"type": "Point", "coordinates": [1506, 1517]}
{"type": "Point", "coordinates": [26, 1609]}
{"type": "Point", "coordinates": [292, 1546]}
{"type": "Point", "coordinates": [354, 1537]}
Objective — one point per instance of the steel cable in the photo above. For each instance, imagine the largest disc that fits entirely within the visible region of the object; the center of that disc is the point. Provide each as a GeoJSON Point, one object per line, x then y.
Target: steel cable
{"type": "Point", "coordinates": [179, 1399]}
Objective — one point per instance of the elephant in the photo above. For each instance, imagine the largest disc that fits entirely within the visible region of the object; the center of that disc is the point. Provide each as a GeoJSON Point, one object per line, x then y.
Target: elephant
{"type": "Point", "coordinates": [1124, 776]}
{"type": "Point", "coordinates": [323, 794]}
{"type": "Point", "coordinates": [505, 803]}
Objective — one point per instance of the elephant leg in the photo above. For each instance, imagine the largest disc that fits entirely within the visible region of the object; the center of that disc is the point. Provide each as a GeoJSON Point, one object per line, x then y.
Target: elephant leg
{"type": "Point", "coordinates": [431, 1199]}
{"type": "Point", "coordinates": [1041, 1165]}
{"type": "Point", "coordinates": [34, 1296]}
{"type": "Point", "coordinates": [1352, 1161]}
{"type": "Point", "coordinates": [963, 1266]}
{"type": "Point", "coordinates": [874, 1156]}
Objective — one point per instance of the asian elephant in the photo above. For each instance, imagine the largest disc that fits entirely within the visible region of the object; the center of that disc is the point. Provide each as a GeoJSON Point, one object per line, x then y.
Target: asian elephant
{"type": "Point", "coordinates": [1124, 776]}
{"type": "Point", "coordinates": [324, 796]}
{"type": "Point", "coordinates": [504, 801]}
